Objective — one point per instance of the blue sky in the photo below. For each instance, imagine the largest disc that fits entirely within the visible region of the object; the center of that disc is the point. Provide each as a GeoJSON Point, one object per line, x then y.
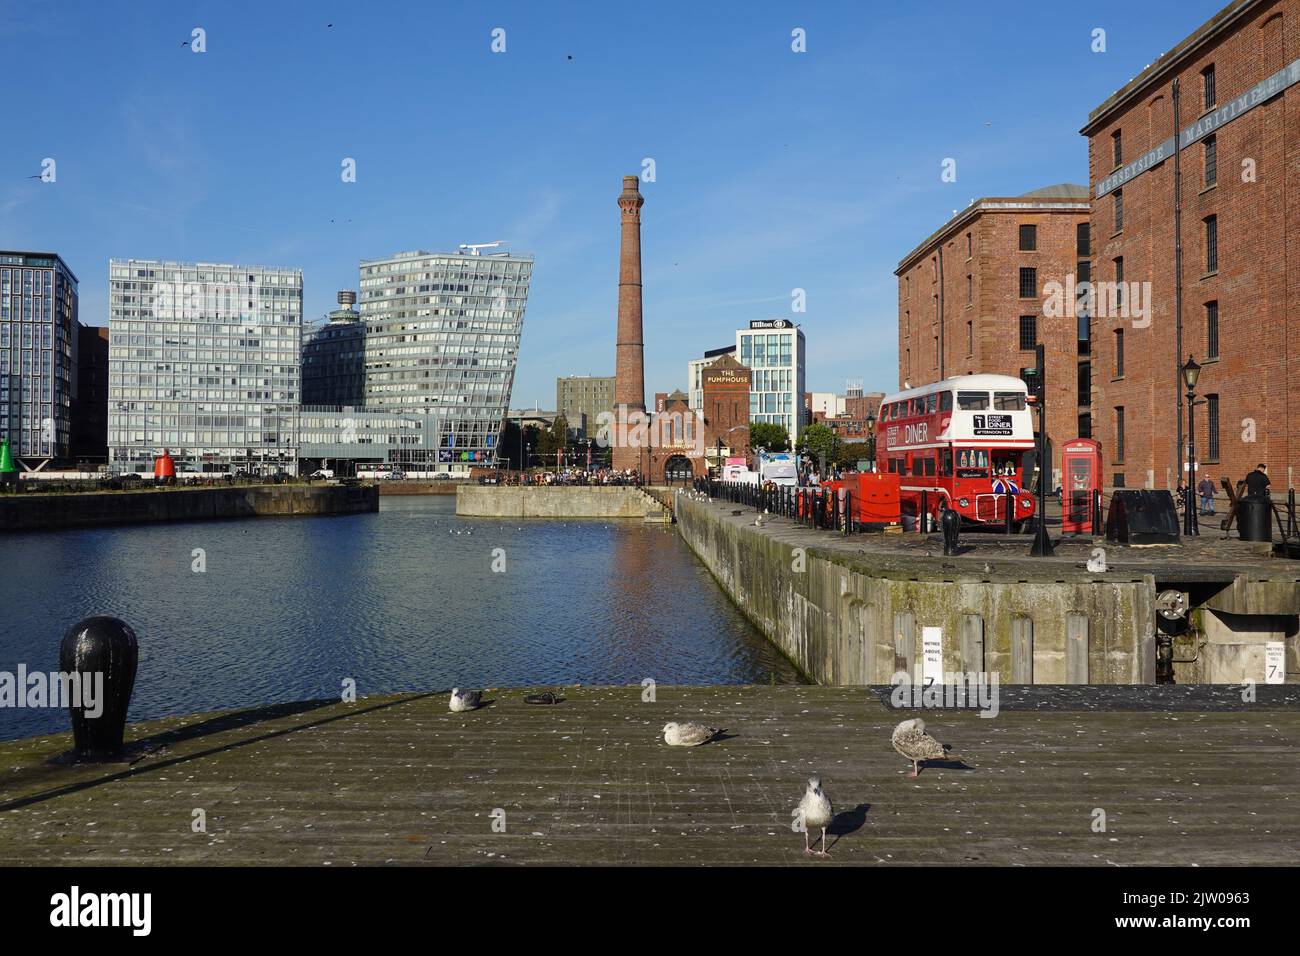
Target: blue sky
{"type": "Point", "coordinates": [774, 170]}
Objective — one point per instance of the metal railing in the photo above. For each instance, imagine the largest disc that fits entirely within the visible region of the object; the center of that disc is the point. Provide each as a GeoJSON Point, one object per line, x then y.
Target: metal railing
{"type": "Point", "coordinates": [827, 509]}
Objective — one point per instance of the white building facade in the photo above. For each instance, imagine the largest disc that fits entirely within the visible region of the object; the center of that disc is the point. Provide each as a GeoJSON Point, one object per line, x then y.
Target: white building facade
{"type": "Point", "coordinates": [774, 349]}
{"type": "Point", "coordinates": [204, 361]}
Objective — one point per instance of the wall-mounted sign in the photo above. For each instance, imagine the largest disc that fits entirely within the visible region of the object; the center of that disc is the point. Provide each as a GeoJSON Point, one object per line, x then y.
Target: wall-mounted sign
{"type": "Point", "coordinates": [932, 655]}
{"type": "Point", "coordinates": [1229, 111]}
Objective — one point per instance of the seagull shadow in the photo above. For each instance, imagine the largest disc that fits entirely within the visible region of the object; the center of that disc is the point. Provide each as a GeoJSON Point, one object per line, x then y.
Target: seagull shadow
{"type": "Point", "coordinates": [848, 821]}
{"type": "Point", "coordinates": [720, 736]}
{"type": "Point", "coordinates": [953, 763]}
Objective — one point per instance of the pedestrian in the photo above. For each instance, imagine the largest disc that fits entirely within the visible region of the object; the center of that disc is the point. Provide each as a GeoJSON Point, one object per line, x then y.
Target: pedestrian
{"type": "Point", "coordinates": [1206, 489]}
{"type": "Point", "coordinates": [1257, 482]}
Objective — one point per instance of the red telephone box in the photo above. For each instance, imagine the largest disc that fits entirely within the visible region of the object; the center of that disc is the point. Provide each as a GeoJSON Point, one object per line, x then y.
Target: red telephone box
{"type": "Point", "coordinates": [1081, 468]}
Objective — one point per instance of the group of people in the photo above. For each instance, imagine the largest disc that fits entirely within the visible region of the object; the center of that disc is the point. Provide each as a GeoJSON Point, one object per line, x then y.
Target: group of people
{"type": "Point", "coordinates": [1256, 486]}
{"type": "Point", "coordinates": [573, 476]}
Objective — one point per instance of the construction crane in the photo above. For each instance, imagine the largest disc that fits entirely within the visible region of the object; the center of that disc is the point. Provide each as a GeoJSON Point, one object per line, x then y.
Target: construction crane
{"type": "Point", "coordinates": [475, 247]}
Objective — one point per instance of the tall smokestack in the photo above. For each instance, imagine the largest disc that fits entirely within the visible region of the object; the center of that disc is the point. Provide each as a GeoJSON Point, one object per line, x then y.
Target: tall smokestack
{"type": "Point", "coordinates": [629, 360]}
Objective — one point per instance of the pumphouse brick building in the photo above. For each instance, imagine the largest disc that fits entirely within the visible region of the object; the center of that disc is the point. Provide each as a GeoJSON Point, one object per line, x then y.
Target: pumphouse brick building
{"type": "Point", "coordinates": [980, 293]}
{"type": "Point", "coordinates": [1231, 90]}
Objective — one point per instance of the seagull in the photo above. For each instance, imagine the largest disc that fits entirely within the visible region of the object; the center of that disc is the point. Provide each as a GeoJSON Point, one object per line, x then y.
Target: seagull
{"type": "Point", "coordinates": [1097, 563]}
{"type": "Point", "coordinates": [464, 699]}
{"type": "Point", "coordinates": [911, 740]}
{"type": "Point", "coordinates": [688, 734]}
{"type": "Point", "coordinates": [543, 698]}
{"type": "Point", "coordinates": [758, 522]}
{"type": "Point", "coordinates": [816, 811]}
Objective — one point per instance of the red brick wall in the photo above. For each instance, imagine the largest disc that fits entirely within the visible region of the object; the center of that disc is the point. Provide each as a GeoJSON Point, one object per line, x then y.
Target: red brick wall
{"type": "Point", "coordinates": [993, 307]}
{"type": "Point", "coordinates": [1257, 285]}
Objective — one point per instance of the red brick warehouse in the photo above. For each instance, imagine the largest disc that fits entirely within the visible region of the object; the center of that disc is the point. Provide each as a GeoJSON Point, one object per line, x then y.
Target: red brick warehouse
{"type": "Point", "coordinates": [1238, 83]}
{"type": "Point", "coordinates": [976, 298]}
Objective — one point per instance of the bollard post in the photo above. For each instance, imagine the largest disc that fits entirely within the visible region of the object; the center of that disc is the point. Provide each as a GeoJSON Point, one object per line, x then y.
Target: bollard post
{"type": "Point", "coordinates": [104, 648]}
{"type": "Point", "coordinates": [1096, 511]}
{"type": "Point", "coordinates": [922, 517]}
{"type": "Point", "coordinates": [1010, 509]}
{"type": "Point", "coordinates": [950, 521]}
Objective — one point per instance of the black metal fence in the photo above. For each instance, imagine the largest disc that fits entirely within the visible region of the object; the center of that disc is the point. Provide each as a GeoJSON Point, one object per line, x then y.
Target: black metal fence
{"type": "Point", "coordinates": [830, 509]}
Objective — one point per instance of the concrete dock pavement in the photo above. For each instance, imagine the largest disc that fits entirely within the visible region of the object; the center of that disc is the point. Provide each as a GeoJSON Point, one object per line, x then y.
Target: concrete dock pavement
{"type": "Point", "coordinates": [1180, 779]}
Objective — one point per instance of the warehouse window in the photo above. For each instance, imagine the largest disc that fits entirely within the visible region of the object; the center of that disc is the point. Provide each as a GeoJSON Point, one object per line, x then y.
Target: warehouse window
{"type": "Point", "coordinates": [1212, 329]}
{"type": "Point", "coordinates": [1117, 147]}
{"type": "Point", "coordinates": [1082, 240]}
{"type": "Point", "coordinates": [1211, 161]}
{"type": "Point", "coordinates": [1211, 243]}
{"type": "Point", "coordinates": [1119, 435]}
{"type": "Point", "coordinates": [1207, 84]}
{"type": "Point", "coordinates": [1028, 238]}
{"type": "Point", "coordinates": [1119, 353]}
{"type": "Point", "coordinates": [1028, 283]}
{"type": "Point", "coordinates": [1119, 209]}
{"type": "Point", "coordinates": [1028, 332]}
{"type": "Point", "coordinates": [1212, 427]}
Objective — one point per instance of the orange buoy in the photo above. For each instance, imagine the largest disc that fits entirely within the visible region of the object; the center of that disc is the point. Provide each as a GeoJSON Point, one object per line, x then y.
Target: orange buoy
{"type": "Point", "coordinates": [163, 466]}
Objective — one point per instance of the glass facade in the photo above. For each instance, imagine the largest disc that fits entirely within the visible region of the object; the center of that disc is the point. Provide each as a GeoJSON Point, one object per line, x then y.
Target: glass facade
{"type": "Point", "coordinates": [442, 335]}
{"type": "Point", "coordinates": [776, 389]}
{"type": "Point", "coordinates": [204, 360]}
{"type": "Point", "coordinates": [38, 321]}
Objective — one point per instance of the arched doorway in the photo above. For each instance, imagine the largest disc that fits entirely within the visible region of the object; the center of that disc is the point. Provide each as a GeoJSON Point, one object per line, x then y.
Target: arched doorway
{"type": "Point", "coordinates": [677, 469]}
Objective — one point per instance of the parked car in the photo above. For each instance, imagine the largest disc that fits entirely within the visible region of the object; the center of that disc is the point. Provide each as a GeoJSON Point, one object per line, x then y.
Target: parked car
{"type": "Point", "coordinates": [396, 475]}
{"type": "Point", "coordinates": [320, 473]}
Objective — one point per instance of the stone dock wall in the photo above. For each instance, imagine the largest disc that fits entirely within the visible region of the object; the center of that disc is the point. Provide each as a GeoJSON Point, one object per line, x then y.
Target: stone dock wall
{"type": "Point", "coordinates": [846, 617]}
{"type": "Point", "coordinates": [37, 512]}
{"type": "Point", "coordinates": [552, 501]}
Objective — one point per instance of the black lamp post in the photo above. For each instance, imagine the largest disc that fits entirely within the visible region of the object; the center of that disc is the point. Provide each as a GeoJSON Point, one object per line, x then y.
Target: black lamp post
{"type": "Point", "coordinates": [1042, 546]}
{"type": "Point", "coordinates": [871, 440]}
{"type": "Point", "coordinates": [1191, 372]}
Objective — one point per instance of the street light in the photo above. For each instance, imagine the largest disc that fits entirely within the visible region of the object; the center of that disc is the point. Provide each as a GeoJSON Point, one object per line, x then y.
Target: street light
{"type": "Point", "coordinates": [871, 440]}
{"type": "Point", "coordinates": [1191, 373]}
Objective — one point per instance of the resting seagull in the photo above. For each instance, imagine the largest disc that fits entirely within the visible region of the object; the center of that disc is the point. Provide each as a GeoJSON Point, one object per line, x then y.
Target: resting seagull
{"type": "Point", "coordinates": [816, 812]}
{"type": "Point", "coordinates": [688, 734]}
{"type": "Point", "coordinates": [464, 699]}
{"type": "Point", "coordinates": [911, 740]}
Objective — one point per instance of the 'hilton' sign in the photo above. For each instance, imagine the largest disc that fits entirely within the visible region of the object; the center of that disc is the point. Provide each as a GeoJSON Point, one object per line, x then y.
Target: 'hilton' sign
{"type": "Point", "coordinates": [771, 324]}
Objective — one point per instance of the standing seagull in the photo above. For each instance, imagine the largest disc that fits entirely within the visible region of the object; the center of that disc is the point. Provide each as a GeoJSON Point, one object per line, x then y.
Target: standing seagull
{"type": "Point", "coordinates": [911, 740]}
{"type": "Point", "coordinates": [688, 734]}
{"type": "Point", "coordinates": [816, 811]}
{"type": "Point", "coordinates": [464, 699]}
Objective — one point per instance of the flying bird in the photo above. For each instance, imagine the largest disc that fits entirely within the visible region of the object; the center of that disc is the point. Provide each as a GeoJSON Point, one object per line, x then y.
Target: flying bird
{"type": "Point", "coordinates": [464, 699]}
{"type": "Point", "coordinates": [816, 811]}
{"type": "Point", "coordinates": [688, 734]}
{"type": "Point", "coordinates": [911, 740]}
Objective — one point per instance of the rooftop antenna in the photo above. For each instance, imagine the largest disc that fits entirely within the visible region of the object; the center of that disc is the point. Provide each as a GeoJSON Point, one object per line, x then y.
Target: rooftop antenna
{"type": "Point", "coordinates": [475, 247]}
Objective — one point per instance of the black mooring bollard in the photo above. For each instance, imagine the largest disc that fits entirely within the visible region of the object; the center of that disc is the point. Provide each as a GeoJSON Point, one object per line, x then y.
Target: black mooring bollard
{"type": "Point", "coordinates": [102, 646]}
{"type": "Point", "coordinates": [951, 524]}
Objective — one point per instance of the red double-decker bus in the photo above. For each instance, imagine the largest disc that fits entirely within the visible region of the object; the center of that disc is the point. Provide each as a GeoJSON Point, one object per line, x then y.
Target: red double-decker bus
{"type": "Point", "coordinates": [962, 442]}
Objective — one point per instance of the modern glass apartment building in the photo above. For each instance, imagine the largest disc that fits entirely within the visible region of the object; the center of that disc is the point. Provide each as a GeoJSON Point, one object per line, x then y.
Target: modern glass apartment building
{"type": "Point", "coordinates": [38, 323]}
{"type": "Point", "coordinates": [333, 357]}
{"type": "Point", "coordinates": [204, 360]}
{"type": "Point", "coordinates": [774, 349]}
{"type": "Point", "coordinates": [442, 335]}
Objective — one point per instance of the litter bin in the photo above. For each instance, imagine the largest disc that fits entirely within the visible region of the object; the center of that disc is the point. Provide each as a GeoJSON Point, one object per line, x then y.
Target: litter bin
{"type": "Point", "coordinates": [1255, 519]}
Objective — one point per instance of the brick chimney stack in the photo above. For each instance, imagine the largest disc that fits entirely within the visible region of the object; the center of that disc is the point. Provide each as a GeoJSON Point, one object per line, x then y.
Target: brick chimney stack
{"type": "Point", "coordinates": [629, 361]}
